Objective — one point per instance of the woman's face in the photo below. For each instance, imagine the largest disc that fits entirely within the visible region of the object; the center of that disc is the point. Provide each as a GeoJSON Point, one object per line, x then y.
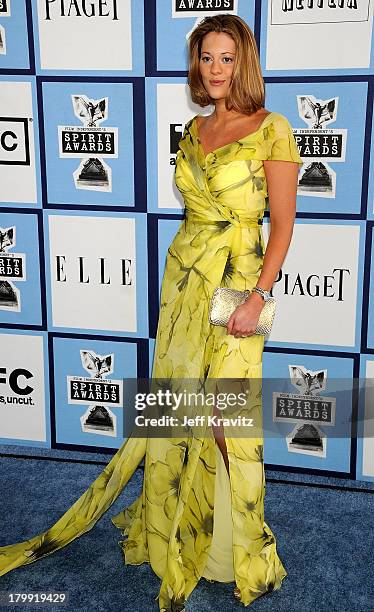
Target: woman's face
{"type": "Point", "coordinates": [217, 63]}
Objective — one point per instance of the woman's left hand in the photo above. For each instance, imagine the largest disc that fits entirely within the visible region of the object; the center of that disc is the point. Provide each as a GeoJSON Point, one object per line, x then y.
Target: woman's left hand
{"type": "Point", "coordinates": [243, 320]}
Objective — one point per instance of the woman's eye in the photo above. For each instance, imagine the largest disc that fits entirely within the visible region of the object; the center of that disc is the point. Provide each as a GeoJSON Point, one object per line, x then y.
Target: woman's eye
{"type": "Point", "coordinates": [230, 59]}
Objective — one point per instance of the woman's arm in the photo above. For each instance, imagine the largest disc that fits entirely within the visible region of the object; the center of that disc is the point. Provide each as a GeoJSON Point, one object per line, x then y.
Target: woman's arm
{"type": "Point", "coordinates": [281, 178]}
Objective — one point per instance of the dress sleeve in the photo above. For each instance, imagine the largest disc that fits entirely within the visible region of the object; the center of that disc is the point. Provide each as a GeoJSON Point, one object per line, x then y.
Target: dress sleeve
{"type": "Point", "coordinates": [283, 146]}
{"type": "Point", "coordinates": [185, 134]}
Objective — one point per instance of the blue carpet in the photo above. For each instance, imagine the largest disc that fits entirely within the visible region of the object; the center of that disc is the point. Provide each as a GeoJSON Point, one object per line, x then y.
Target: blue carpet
{"type": "Point", "coordinates": [324, 538]}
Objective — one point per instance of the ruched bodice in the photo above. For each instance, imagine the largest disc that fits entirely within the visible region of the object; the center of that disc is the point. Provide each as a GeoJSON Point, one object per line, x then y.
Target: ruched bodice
{"type": "Point", "coordinates": [230, 183]}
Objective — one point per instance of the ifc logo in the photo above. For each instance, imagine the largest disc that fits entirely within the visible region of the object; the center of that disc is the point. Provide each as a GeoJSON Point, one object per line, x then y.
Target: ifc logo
{"type": "Point", "coordinates": [14, 141]}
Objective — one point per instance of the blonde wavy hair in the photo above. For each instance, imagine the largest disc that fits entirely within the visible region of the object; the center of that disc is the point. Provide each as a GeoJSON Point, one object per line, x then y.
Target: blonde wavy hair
{"type": "Point", "coordinates": [247, 88]}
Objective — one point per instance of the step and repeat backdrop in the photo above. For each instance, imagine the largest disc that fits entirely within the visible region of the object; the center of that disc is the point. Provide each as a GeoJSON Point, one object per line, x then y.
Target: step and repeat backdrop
{"type": "Point", "coordinates": [93, 102]}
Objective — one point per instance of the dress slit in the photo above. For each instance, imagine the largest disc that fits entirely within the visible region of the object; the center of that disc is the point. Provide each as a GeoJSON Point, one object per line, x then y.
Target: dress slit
{"type": "Point", "coordinates": [220, 562]}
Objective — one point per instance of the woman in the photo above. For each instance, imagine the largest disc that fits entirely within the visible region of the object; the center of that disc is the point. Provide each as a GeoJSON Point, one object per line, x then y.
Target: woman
{"type": "Point", "coordinates": [201, 511]}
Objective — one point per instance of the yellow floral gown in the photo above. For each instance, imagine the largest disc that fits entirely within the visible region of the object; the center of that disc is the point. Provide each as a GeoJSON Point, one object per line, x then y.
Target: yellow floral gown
{"type": "Point", "coordinates": [171, 524]}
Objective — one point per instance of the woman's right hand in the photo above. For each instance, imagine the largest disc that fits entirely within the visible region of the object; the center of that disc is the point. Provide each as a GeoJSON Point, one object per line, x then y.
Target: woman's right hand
{"type": "Point", "coordinates": [244, 319]}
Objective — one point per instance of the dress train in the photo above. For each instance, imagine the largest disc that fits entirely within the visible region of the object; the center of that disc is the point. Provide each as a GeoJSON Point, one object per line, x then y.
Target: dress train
{"type": "Point", "coordinates": [83, 514]}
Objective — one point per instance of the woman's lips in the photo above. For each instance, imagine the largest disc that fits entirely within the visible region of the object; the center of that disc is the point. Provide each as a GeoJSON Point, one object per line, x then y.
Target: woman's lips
{"type": "Point", "coordinates": [216, 82]}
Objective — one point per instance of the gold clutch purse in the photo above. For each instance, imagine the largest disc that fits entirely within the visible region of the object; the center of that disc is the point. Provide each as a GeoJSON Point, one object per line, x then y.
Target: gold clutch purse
{"type": "Point", "coordinates": [225, 300]}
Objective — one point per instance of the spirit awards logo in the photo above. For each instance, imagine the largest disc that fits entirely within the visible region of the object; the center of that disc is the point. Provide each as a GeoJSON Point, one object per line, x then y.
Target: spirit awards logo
{"type": "Point", "coordinates": [2, 41]}
{"type": "Point", "coordinates": [97, 391]}
{"type": "Point", "coordinates": [80, 8]}
{"type": "Point", "coordinates": [4, 8]}
{"type": "Point", "coordinates": [12, 268]}
{"type": "Point", "coordinates": [319, 144]}
{"type": "Point", "coordinates": [201, 9]}
{"type": "Point", "coordinates": [308, 409]}
{"type": "Point", "coordinates": [91, 143]}
{"type": "Point", "coordinates": [4, 12]}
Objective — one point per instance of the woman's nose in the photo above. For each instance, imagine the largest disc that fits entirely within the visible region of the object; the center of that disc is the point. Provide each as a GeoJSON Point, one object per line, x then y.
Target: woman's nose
{"type": "Point", "coordinates": [215, 67]}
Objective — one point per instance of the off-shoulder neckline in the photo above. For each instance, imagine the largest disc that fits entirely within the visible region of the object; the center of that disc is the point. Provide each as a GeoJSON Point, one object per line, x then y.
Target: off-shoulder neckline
{"type": "Point", "coordinates": [229, 144]}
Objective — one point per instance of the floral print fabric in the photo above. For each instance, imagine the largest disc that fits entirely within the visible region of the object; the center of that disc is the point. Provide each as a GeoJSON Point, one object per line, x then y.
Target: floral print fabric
{"type": "Point", "coordinates": [170, 525]}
